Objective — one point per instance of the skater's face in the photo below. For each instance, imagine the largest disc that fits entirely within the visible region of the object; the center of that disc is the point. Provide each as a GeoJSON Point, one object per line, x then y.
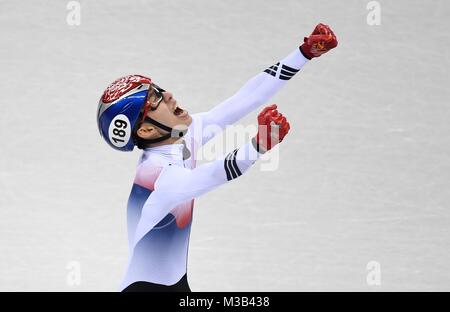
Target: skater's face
{"type": "Point", "coordinates": [162, 107]}
{"type": "Point", "coordinates": [165, 109]}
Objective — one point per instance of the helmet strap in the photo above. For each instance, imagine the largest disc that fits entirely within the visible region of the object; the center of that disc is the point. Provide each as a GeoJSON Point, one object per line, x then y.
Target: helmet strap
{"type": "Point", "coordinates": [173, 133]}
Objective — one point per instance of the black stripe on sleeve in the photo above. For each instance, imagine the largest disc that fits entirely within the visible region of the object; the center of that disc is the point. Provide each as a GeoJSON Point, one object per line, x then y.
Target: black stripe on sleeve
{"type": "Point", "coordinates": [231, 174]}
{"type": "Point", "coordinates": [286, 73]}
{"type": "Point", "coordinates": [285, 77]}
{"type": "Point", "coordinates": [231, 167]}
{"type": "Point", "coordinates": [274, 67]}
{"type": "Point", "coordinates": [293, 70]}
{"type": "Point", "coordinates": [236, 168]}
{"type": "Point", "coordinates": [270, 72]}
{"type": "Point", "coordinates": [227, 170]}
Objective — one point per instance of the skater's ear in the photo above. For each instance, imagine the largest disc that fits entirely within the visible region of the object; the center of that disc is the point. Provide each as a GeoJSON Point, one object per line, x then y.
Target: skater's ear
{"type": "Point", "coordinates": [147, 132]}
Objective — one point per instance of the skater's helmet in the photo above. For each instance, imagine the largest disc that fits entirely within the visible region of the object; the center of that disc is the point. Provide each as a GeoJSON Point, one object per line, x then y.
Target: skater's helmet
{"type": "Point", "coordinates": [119, 108]}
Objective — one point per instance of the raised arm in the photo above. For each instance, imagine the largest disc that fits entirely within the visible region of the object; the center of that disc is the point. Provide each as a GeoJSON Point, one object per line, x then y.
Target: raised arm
{"type": "Point", "coordinates": [259, 89]}
{"type": "Point", "coordinates": [255, 92]}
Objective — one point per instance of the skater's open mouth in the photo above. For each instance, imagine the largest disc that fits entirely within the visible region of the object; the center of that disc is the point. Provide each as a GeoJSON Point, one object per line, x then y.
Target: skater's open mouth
{"type": "Point", "coordinates": [178, 111]}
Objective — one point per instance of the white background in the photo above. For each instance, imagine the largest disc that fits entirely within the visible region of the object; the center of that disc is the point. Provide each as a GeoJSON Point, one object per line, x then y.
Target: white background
{"type": "Point", "coordinates": [364, 174]}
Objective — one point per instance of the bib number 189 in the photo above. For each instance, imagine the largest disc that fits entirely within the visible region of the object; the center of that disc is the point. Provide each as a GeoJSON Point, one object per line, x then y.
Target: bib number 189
{"type": "Point", "coordinates": [119, 131]}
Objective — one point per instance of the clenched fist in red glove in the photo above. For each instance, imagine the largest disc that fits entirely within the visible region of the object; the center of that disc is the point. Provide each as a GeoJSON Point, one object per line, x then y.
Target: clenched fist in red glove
{"type": "Point", "coordinates": [272, 128]}
{"type": "Point", "coordinates": [321, 40]}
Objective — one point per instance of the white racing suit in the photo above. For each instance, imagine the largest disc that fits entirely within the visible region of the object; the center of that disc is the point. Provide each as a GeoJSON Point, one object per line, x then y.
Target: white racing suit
{"type": "Point", "coordinates": [160, 205]}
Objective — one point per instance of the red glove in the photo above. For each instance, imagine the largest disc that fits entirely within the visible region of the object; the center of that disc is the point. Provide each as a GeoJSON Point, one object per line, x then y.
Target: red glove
{"type": "Point", "coordinates": [321, 40]}
{"type": "Point", "coordinates": [272, 128]}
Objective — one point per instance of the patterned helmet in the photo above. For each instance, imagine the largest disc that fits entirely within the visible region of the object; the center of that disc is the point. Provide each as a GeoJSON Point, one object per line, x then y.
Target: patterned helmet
{"type": "Point", "coordinates": [119, 108]}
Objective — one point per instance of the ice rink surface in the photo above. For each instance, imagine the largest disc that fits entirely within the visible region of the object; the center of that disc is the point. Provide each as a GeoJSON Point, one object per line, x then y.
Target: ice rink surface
{"type": "Point", "coordinates": [363, 176]}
